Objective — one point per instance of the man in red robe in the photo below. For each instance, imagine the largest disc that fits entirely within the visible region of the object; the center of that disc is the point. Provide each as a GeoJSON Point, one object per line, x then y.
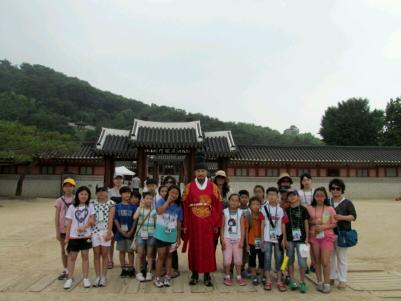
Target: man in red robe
{"type": "Point", "coordinates": [202, 218]}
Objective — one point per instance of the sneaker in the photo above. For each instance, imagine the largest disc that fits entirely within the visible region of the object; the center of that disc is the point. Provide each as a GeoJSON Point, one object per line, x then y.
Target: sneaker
{"type": "Point", "coordinates": [131, 273]}
{"type": "Point", "coordinates": [124, 273]}
{"type": "Point", "coordinates": [96, 283]}
{"type": "Point", "coordinates": [167, 281]}
{"type": "Point", "coordinates": [255, 280]}
{"type": "Point", "coordinates": [227, 280]}
{"type": "Point", "coordinates": [241, 281]}
{"type": "Point", "coordinates": [68, 283]}
{"type": "Point", "coordinates": [293, 284]}
{"type": "Point", "coordinates": [312, 269]}
{"type": "Point", "coordinates": [319, 287]}
{"type": "Point", "coordinates": [326, 288]}
{"type": "Point", "coordinates": [287, 279]}
{"type": "Point", "coordinates": [158, 283]}
{"type": "Point", "coordinates": [149, 276]}
{"type": "Point", "coordinates": [139, 277]}
{"type": "Point", "coordinates": [103, 282]}
{"type": "Point", "coordinates": [63, 276]}
{"type": "Point", "coordinates": [86, 283]}
{"type": "Point", "coordinates": [302, 287]}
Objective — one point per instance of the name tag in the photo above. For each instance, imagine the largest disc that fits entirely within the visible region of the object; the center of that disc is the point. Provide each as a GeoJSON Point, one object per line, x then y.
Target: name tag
{"type": "Point", "coordinates": [124, 227]}
{"type": "Point", "coordinates": [144, 234]}
{"type": "Point", "coordinates": [320, 235]}
{"type": "Point", "coordinates": [272, 234]}
{"type": "Point", "coordinates": [296, 234]}
{"type": "Point", "coordinates": [257, 243]}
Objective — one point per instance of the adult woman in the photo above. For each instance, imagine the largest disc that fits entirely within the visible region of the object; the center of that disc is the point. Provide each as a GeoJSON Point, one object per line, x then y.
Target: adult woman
{"type": "Point", "coordinates": [221, 180]}
{"type": "Point", "coordinates": [345, 214]}
{"type": "Point", "coordinates": [306, 191]}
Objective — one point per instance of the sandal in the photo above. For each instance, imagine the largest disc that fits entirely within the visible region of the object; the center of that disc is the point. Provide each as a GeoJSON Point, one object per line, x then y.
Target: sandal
{"type": "Point", "coordinates": [110, 265]}
{"type": "Point", "coordinates": [175, 274]}
{"type": "Point", "coordinates": [268, 286]}
{"type": "Point", "coordinates": [193, 281]}
{"type": "Point", "coordinates": [281, 287]}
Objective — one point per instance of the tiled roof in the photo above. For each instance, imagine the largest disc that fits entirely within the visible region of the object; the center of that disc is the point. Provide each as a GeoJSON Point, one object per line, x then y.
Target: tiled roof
{"type": "Point", "coordinates": [166, 134]}
{"type": "Point", "coordinates": [219, 144]}
{"type": "Point", "coordinates": [319, 154]}
{"type": "Point", "coordinates": [118, 146]}
{"type": "Point", "coordinates": [85, 152]}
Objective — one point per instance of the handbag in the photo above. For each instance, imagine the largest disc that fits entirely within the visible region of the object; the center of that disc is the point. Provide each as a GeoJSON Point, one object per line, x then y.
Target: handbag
{"type": "Point", "coordinates": [134, 244]}
{"type": "Point", "coordinates": [347, 238]}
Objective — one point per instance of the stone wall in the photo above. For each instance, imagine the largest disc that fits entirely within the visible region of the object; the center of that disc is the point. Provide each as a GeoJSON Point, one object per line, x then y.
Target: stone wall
{"type": "Point", "coordinates": [356, 187]}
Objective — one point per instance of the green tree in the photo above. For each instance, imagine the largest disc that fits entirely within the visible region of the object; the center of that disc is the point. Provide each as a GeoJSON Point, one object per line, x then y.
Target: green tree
{"type": "Point", "coordinates": [352, 122]}
{"type": "Point", "coordinates": [392, 123]}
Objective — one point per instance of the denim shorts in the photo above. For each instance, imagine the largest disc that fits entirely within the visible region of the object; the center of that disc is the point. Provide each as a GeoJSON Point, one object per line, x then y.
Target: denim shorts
{"type": "Point", "coordinates": [293, 246]}
{"type": "Point", "coordinates": [150, 242]}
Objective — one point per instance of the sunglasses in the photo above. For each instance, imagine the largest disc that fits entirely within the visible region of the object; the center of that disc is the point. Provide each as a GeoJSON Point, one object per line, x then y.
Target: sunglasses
{"type": "Point", "coordinates": [335, 188]}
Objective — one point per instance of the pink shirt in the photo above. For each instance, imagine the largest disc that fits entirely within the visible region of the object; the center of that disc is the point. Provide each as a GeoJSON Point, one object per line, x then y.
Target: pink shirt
{"type": "Point", "coordinates": [326, 215]}
{"type": "Point", "coordinates": [63, 210]}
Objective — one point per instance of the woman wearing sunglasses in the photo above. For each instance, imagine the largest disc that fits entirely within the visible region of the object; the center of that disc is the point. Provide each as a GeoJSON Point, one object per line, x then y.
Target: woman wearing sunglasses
{"type": "Point", "coordinates": [345, 214]}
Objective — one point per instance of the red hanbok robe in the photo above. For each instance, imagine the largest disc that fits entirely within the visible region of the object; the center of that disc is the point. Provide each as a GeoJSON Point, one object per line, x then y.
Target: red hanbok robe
{"type": "Point", "coordinates": [202, 214]}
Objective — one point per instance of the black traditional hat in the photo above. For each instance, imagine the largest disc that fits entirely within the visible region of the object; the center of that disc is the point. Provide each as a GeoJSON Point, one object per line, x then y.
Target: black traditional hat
{"type": "Point", "coordinates": [200, 162]}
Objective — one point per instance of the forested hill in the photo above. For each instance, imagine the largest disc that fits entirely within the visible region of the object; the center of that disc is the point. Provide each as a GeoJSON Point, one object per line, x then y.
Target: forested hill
{"type": "Point", "coordinates": [35, 95]}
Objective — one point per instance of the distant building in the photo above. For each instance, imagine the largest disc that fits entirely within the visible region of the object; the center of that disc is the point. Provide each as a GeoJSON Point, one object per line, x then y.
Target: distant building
{"type": "Point", "coordinates": [168, 148]}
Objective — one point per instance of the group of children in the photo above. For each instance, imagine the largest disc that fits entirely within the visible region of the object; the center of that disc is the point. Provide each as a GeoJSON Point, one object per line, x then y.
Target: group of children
{"type": "Point", "coordinates": [148, 225]}
{"type": "Point", "coordinates": [255, 229]}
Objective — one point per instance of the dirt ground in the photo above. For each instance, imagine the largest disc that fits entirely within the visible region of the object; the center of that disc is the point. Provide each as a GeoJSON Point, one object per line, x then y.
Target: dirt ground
{"type": "Point", "coordinates": [29, 259]}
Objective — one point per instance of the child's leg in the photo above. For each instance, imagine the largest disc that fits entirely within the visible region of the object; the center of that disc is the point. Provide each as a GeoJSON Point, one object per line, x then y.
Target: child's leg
{"type": "Point", "coordinates": [161, 258]}
{"type": "Point", "coordinates": [149, 257]}
{"type": "Point", "coordinates": [318, 257]}
{"type": "Point", "coordinates": [96, 260]}
{"type": "Point", "coordinates": [64, 256]}
{"type": "Point", "coordinates": [85, 263]}
{"type": "Point", "coordinates": [105, 251]}
{"type": "Point", "coordinates": [301, 262]}
{"type": "Point", "coordinates": [268, 260]}
{"type": "Point", "coordinates": [111, 253]}
{"type": "Point", "coordinates": [169, 263]}
{"type": "Point", "coordinates": [325, 262]}
{"type": "Point", "coordinates": [131, 259]}
{"type": "Point", "coordinates": [122, 259]}
{"type": "Point", "coordinates": [291, 258]}
{"type": "Point", "coordinates": [227, 256]}
{"type": "Point", "coordinates": [237, 254]}
{"type": "Point", "coordinates": [252, 260]}
{"type": "Point", "coordinates": [72, 257]}
{"type": "Point", "coordinates": [139, 258]}
{"type": "Point", "coordinates": [278, 259]}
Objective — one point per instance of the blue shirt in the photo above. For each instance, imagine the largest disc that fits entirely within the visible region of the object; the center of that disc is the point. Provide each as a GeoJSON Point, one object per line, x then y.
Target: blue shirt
{"type": "Point", "coordinates": [124, 215]}
{"type": "Point", "coordinates": [166, 223]}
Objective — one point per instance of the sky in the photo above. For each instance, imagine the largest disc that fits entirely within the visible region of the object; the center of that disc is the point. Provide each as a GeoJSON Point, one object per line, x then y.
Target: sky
{"type": "Point", "coordinates": [270, 62]}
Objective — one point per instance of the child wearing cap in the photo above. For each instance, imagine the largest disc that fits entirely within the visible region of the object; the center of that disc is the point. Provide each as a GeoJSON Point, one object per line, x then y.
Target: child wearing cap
{"type": "Point", "coordinates": [102, 234]}
{"type": "Point", "coordinates": [123, 221]}
{"type": "Point", "coordinates": [295, 233]}
{"type": "Point", "coordinates": [61, 205]}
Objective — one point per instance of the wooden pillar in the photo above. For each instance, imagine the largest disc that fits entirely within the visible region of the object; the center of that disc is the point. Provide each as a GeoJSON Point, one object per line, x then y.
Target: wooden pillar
{"type": "Point", "coordinates": [190, 165]}
{"type": "Point", "coordinates": [141, 164]}
{"type": "Point", "coordinates": [222, 163]}
{"type": "Point", "coordinates": [108, 171]}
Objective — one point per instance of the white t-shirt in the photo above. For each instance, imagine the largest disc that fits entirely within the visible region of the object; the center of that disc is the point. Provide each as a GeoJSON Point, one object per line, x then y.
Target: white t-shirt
{"type": "Point", "coordinates": [305, 197]}
{"type": "Point", "coordinates": [277, 214]}
{"type": "Point", "coordinates": [80, 216]}
{"type": "Point", "coordinates": [232, 227]}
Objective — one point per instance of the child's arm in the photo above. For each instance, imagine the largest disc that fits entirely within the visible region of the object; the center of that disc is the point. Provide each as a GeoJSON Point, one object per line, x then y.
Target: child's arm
{"type": "Point", "coordinates": [57, 222]}
{"type": "Point", "coordinates": [178, 233]}
{"type": "Point", "coordinates": [163, 207]}
{"type": "Point", "coordinates": [223, 245]}
{"type": "Point", "coordinates": [68, 230]}
{"type": "Point", "coordinates": [241, 242]}
{"type": "Point", "coordinates": [262, 231]}
{"type": "Point", "coordinates": [284, 243]}
{"type": "Point", "coordinates": [306, 230]}
{"type": "Point", "coordinates": [109, 234]}
{"type": "Point", "coordinates": [137, 212]}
